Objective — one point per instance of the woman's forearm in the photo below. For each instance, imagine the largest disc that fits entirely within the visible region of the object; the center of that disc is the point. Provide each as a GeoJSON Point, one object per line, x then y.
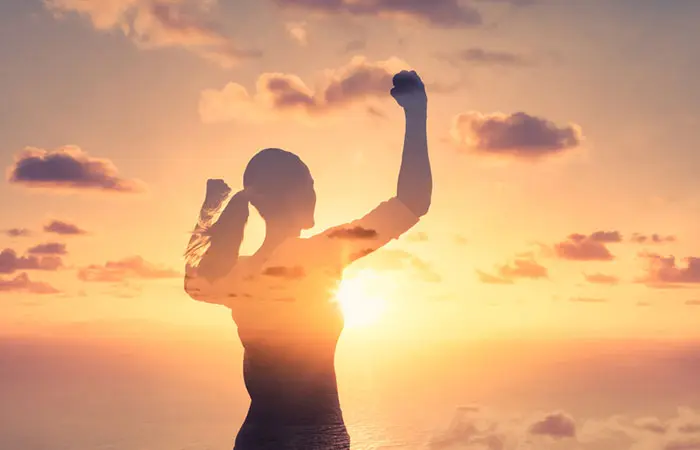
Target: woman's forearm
{"type": "Point", "coordinates": [415, 183]}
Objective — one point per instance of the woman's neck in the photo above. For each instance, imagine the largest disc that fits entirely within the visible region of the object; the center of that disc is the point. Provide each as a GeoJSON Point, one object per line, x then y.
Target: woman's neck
{"type": "Point", "coordinates": [276, 233]}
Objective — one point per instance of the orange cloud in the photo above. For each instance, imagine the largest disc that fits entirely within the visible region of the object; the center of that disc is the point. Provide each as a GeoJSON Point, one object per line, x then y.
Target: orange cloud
{"type": "Point", "coordinates": [158, 24]}
{"type": "Point", "coordinates": [68, 168]}
{"type": "Point", "coordinates": [599, 278]}
{"type": "Point", "coordinates": [520, 268]}
{"type": "Point", "coordinates": [662, 272]}
{"type": "Point", "coordinates": [298, 32]}
{"type": "Point", "coordinates": [279, 93]}
{"type": "Point", "coordinates": [134, 267]}
{"type": "Point", "coordinates": [517, 135]}
{"type": "Point", "coordinates": [579, 247]}
{"type": "Point", "coordinates": [22, 283]}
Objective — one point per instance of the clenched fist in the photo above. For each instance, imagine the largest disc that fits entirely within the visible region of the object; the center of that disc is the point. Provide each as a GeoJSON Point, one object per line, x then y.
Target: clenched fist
{"type": "Point", "coordinates": [409, 91]}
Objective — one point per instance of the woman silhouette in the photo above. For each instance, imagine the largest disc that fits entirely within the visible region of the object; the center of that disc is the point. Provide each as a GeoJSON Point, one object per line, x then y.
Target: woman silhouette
{"type": "Point", "coordinates": [281, 297]}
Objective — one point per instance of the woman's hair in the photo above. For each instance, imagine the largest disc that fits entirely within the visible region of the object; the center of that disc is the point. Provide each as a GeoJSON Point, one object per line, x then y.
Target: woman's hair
{"type": "Point", "coordinates": [216, 240]}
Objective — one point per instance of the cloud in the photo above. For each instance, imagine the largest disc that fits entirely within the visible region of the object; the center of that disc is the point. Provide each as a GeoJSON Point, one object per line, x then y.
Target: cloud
{"type": "Point", "coordinates": [518, 135]}
{"type": "Point", "coordinates": [652, 239]}
{"type": "Point", "coordinates": [579, 247]}
{"type": "Point", "coordinates": [476, 428]}
{"type": "Point", "coordinates": [512, 2]}
{"type": "Point", "coordinates": [401, 260]}
{"type": "Point", "coordinates": [298, 32]}
{"type": "Point", "coordinates": [588, 300]}
{"type": "Point", "coordinates": [663, 272]}
{"type": "Point", "coordinates": [63, 228]}
{"type": "Point", "coordinates": [18, 232]}
{"type": "Point", "coordinates": [683, 443]}
{"type": "Point", "coordinates": [443, 13]}
{"type": "Point", "coordinates": [134, 267]}
{"type": "Point", "coordinates": [557, 425]}
{"type": "Point", "coordinates": [10, 262]}
{"type": "Point", "coordinates": [484, 57]}
{"type": "Point", "coordinates": [600, 278]}
{"type": "Point", "coordinates": [49, 248]}
{"type": "Point", "coordinates": [22, 283]}
{"type": "Point", "coordinates": [68, 168]}
{"type": "Point", "coordinates": [418, 236]}
{"type": "Point", "coordinates": [355, 46]}
{"type": "Point", "coordinates": [651, 424]}
{"type": "Point", "coordinates": [154, 24]}
{"type": "Point", "coordinates": [293, 273]}
{"type": "Point", "coordinates": [353, 233]}
{"type": "Point", "coordinates": [693, 303]}
{"type": "Point", "coordinates": [520, 268]}
{"type": "Point", "coordinates": [280, 93]}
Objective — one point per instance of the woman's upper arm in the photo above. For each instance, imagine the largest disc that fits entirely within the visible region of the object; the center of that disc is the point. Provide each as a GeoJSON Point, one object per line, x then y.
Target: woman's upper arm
{"type": "Point", "coordinates": [361, 237]}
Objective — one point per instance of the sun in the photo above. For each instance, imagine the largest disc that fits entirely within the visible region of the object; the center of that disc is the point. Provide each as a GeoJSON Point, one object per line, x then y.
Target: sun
{"type": "Point", "coordinates": [361, 306]}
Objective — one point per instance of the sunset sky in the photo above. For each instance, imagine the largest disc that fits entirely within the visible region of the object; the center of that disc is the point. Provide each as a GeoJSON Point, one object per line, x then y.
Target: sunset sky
{"type": "Point", "coordinates": [563, 138]}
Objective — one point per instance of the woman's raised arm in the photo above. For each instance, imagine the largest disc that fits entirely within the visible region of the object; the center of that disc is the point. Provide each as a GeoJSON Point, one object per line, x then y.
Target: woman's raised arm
{"type": "Point", "coordinates": [415, 185]}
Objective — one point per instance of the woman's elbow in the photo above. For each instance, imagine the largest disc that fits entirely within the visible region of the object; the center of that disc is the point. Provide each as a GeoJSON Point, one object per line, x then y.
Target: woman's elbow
{"type": "Point", "coordinates": [419, 205]}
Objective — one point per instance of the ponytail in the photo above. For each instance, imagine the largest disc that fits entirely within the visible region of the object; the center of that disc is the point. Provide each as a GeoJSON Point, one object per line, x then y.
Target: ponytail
{"type": "Point", "coordinates": [216, 240]}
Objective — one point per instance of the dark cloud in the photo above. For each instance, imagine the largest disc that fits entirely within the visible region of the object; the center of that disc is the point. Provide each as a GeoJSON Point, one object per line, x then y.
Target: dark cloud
{"type": "Point", "coordinates": [517, 135]}
{"type": "Point", "coordinates": [49, 248]}
{"type": "Point", "coordinates": [600, 278]}
{"type": "Point", "coordinates": [63, 228]}
{"type": "Point", "coordinates": [557, 425]}
{"type": "Point", "coordinates": [652, 238]}
{"type": "Point", "coordinates": [154, 24]}
{"type": "Point", "coordinates": [10, 262]}
{"type": "Point", "coordinates": [18, 232]}
{"type": "Point", "coordinates": [22, 283]}
{"type": "Point", "coordinates": [444, 13]}
{"type": "Point", "coordinates": [579, 247]}
{"type": "Point", "coordinates": [277, 93]}
{"type": "Point", "coordinates": [663, 272]}
{"type": "Point", "coordinates": [68, 168]}
{"type": "Point", "coordinates": [353, 233]}
{"type": "Point", "coordinates": [293, 273]}
{"type": "Point", "coordinates": [134, 267]}
{"type": "Point", "coordinates": [521, 268]}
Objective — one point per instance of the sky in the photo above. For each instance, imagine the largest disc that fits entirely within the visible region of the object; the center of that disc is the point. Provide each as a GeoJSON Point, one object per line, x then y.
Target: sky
{"type": "Point", "coordinates": [562, 136]}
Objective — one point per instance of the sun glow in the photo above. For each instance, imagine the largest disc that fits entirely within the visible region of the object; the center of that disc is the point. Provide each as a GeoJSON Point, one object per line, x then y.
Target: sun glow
{"type": "Point", "coordinates": [361, 305]}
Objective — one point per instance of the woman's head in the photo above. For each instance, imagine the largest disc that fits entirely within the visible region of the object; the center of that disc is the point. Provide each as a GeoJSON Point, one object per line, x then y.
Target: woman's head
{"type": "Point", "coordinates": [281, 188]}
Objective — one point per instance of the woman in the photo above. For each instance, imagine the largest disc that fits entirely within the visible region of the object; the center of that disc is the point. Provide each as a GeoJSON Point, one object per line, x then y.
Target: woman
{"type": "Point", "coordinates": [281, 297]}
